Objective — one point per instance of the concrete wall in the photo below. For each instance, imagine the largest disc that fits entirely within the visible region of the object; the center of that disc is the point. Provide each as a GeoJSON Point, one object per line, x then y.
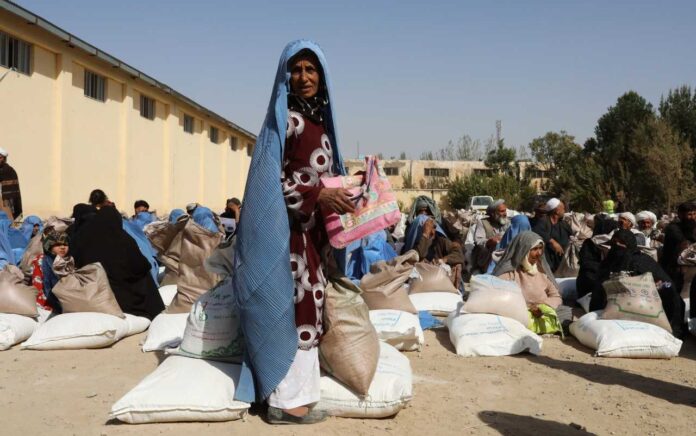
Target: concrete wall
{"type": "Point", "coordinates": [64, 144]}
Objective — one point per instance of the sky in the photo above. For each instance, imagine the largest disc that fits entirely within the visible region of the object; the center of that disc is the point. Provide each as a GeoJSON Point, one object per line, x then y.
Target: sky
{"type": "Point", "coordinates": [408, 76]}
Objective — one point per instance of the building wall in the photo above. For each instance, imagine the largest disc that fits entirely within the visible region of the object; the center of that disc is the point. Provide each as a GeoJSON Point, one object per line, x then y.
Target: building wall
{"type": "Point", "coordinates": [64, 144]}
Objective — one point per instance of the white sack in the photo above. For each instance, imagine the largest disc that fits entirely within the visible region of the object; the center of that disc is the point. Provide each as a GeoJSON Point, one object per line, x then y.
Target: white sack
{"type": "Point", "coordinates": [15, 329]}
{"type": "Point", "coordinates": [622, 338]}
{"type": "Point", "coordinates": [165, 331]}
{"type": "Point", "coordinates": [75, 331]}
{"type": "Point", "coordinates": [167, 292]}
{"type": "Point", "coordinates": [492, 295]}
{"type": "Point", "coordinates": [400, 329]}
{"type": "Point", "coordinates": [584, 302]}
{"type": "Point", "coordinates": [390, 391]}
{"type": "Point", "coordinates": [567, 288]}
{"type": "Point", "coordinates": [183, 389]}
{"type": "Point", "coordinates": [437, 303]}
{"type": "Point", "coordinates": [482, 334]}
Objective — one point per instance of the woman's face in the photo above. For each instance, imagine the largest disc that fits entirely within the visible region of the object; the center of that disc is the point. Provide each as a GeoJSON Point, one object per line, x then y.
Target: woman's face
{"type": "Point", "coordinates": [304, 77]}
{"type": "Point", "coordinates": [60, 250]}
{"type": "Point", "coordinates": [535, 254]}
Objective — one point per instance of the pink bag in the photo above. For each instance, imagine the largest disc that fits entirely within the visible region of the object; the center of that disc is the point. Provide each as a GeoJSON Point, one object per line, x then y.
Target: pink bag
{"type": "Point", "coordinates": [375, 205]}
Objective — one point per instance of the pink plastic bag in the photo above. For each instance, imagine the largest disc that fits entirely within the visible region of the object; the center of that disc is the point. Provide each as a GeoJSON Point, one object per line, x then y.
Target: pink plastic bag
{"type": "Point", "coordinates": [375, 205]}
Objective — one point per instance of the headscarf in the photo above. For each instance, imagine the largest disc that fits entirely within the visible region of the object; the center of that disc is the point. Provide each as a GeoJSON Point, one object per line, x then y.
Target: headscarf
{"type": "Point", "coordinates": [517, 252]}
{"type": "Point", "coordinates": [144, 245]}
{"type": "Point", "coordinates": [262, 281]}
{"type": "Point", "coordinates": [175, 214]}
{"type": "Point", "coordinates": [630, 258]}
{"type": "Point", "coordinates": [630, 217]}
{"type": "Point", "coordinates": [141, 219]}
{"type": "Point", "coordinates": [28, 224]}
{"type": "Point", "coordinates": [52, 238]}
{"type": "Point", "coordinates": [312, 107]}
{"type": "Point", "coordinates": [204, 218]}
{"type": "Point", "coordinates": [421, 202]}
{"type": "Point", "coordinates": [518, 224]}
{"type": "Point", "coordinates": [415, 232]}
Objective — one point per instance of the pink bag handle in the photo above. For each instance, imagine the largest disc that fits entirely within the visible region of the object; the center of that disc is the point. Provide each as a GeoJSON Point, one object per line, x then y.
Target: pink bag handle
{"type": "Point", "coordinates": [365, 188]}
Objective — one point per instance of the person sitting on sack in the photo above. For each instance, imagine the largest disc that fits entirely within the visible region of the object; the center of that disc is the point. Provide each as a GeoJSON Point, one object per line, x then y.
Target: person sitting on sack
{"type": "Point", "coordinates": [525, 264]}
{"type": "Point", "coordinates": [554, 232]}
{"type": "Point", "coordinates": [592, 254]}
{"type": "Point", "coordinates": [424, 205]}
{"type": "Point", "coordinates": [625, 256]}
{"type": "Point", "coordinates": [42, 276]}
{"type": "Point", "coordinates": [488, 233]}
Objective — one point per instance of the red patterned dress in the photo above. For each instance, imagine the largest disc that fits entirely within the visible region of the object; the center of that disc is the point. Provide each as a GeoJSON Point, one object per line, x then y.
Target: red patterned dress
{"type": "Point", "coordinates": [308, 157]}
{"type": "Point", "coordinates": [37, 282]}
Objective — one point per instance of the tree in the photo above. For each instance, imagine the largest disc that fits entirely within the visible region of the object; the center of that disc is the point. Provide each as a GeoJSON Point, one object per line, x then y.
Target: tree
{"type": "Point", "coordinates": [501, 158]}
{"type": "Point", "coordinates": [503, 186]}
{"type": "Point", "coordinates": [464, 149]}
{"type": "Point", "coordinates": [402, 156]}
{"type": "Point", "coordinates": [679, 110]}
{"type": "Point", "coordinates": [407, 177]}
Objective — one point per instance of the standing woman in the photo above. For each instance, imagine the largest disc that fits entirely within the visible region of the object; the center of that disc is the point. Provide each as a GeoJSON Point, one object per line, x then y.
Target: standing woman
{"type": "Point", "coordinates": [279, 277]}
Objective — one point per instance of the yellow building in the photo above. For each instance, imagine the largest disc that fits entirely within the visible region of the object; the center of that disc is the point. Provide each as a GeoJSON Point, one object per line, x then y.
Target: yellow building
{"type": "Point", "coordinates": [74, 118]}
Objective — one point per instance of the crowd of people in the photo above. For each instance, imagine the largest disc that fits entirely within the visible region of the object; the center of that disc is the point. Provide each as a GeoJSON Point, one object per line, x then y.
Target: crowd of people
{"type": "Point", "coordinates": [282, 263]}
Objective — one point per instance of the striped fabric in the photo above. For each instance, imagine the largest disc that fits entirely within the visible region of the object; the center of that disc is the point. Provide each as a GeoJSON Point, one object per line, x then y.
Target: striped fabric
{"type": "Point", "coordinates": [262, 278]}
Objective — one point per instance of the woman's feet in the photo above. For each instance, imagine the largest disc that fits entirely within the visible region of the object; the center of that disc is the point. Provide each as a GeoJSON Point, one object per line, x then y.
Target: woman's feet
{"type": "Point", "coordinates": [300, 415]}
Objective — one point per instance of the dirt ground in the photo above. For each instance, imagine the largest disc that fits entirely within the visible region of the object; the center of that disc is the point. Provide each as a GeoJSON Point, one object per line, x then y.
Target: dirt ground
{"type": "Point", "coordinates": [564, 391]}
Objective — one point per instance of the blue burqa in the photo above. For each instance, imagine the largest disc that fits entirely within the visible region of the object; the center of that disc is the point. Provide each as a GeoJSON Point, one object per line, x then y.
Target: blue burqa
{"type": "Point", "coordinates": [141, 219]}
{"type": "Point", "coordinates": [175, 214]}
{"type": "Point", "coordinates": [204, 218]}
{"type": "Point", "coordinates": [262, 278]}
{"type": "Point", "coordinates": [415, 232]}
{"type": "Point", "coordinates": [518, 224]}
{"type": "Point", "coordinates": [6, 254]}
{"type": "Point", "coordinates": [146, 249]}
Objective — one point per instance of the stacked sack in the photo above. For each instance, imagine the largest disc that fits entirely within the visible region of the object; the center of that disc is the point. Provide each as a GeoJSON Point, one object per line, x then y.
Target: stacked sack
{"type": "Point", "coordinates": [19, 312]}
{"type": "Point", "coordinates": [91, 315]}
{"type": "Point", "coordinates": [493, 321]}
{"type": "Point", "coordinates": [633, 324]}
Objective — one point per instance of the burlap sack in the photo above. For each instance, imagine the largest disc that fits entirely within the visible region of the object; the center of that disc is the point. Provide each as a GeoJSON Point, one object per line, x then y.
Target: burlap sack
{"type": "Point", "coordinates": [349, 348]}
{"type": "Point", "coordinates": [183, 248]}
{"type": "Point", "coordinates": [16, 297]}
{"type": "Point", "coordinates": [578, 225]}
{"type": "Point", "coordinates": [570, 264]}
{"type": "Point", "coordinates": [84, 290]}
{"type": "Point", "coordinates": [383, 287]}
{"type": "Point", "coordinates": [636, 299]}
{"type": "Point", "coordinates": [431, 278]}
{"type": "Point", "coordinates": [34, 248]}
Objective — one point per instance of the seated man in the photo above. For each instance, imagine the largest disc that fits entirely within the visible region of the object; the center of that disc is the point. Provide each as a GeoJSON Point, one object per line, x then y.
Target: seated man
{"type": "Point", "coordinates": [646, 225]}
{"type": "Point", "coordinates": [489, 231]}
{"type": "Point", "coordinates": [625, 256]}
{"type": "Point", "coordinates": [554, 232]}
{"type": "Point", "coordinates": [434, 246]}
{"type": "Point", "coordinates": [524, 263]}
{"type": "Point", "coordinates": [627, 221]}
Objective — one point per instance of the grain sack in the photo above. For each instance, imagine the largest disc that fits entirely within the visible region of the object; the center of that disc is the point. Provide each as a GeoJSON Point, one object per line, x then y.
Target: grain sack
{"type": "Point", "coordinates": [84, 290]}
{"type": "Point", "coordinates": [75, 331]}
{"type": "Point", "coordinates": [490, 335]}
{"type": "Point", "coordinates": [390, 391]}
{"type": "Point", "coordinates": [166, 331]}
{"type": "Point", "coordinates": [349, 348]}
{"type": "Point", "coordinates": [622, 338]}
{"type": "Point", "coordinates": [584, 302]}
{"type": "Point", "coordinates": [568, 289]}
{"type": "Point", "coordinates": [167, 292]}
{"type": "Point", "coordinates": [384, 286]}
{"type": "Point", "coordinates": [400, 329]}
{"type": "Point", "coordinates": [489, 294]}
{"type": "Point", "coordinates": [213, 328]}
{"type": "Point", "coordinates": [570, 264]}
{"type": "Point", "coordinates": [635, 298]}
{"type": "Point", "coordinates": [16, 297]}
{"type": "Point", "coordinates": [15, 329]}
{"type": "Point", "coordinates": [431, 278]}
{"type": "Point", "coordinates": [437, 303]}
{"type": "Point", "coordinates": [183, 390]}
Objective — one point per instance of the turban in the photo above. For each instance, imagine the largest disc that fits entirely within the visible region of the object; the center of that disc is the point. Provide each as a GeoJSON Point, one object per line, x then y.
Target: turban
{"type": "Point", "coordinates": [629, 216]}
{"type": "Point", "coordinates": [646, 215]}
{"type": "Point", "coordinates": [552, 204]}
{"type": "Point", "coordinates": [3, 152]}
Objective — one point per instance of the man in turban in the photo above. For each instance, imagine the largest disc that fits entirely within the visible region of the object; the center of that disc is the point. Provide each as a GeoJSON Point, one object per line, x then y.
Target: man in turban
{"type": "Point", "coordinates": [554, 232]}
{"type": "Point", "coordinates": [488, 233]}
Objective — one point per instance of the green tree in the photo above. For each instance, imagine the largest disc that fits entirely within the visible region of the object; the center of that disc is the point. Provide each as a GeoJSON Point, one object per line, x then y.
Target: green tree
{"type": "Point", "coordinates": [464, 148]}
{"type": "Point", "coordinates": [503, 186]}
{"type": "Point", "coordinates": [402, 156]}
{"type": "Point", "coordinates": [679, 110]}
{"type": "Point", "coordinates": [501, 158]}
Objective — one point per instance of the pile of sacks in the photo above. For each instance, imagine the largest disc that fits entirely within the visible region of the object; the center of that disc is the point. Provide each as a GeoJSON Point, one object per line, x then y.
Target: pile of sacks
{"type": "Point", "coordinates": [396, 291]}
{"type": "Point", "coordinates": [633, 324]}
{"type": "Point", "coordinates": [362, 377]}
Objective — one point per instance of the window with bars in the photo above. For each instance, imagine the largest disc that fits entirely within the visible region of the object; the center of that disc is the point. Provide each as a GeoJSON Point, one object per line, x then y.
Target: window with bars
{"type": "Point", "coordinates": [234, 143]}
{"type": "Point", "coordinates": [15, 53]}
{"type": "Point", "coordinates": [214, 134]}
{"type": "Point", "coordinates": [391, 171]}
{"type": "Point", "coordinates": [188, 123]}
{"type": "Point", "coordinates": [147, 107]}
{"type": "Point", "coordinates": [437, 172]}
{"type": "Point", "coordinates": [95, 86]}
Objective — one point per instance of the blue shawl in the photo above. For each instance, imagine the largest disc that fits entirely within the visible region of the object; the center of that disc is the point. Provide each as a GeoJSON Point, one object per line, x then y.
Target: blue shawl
{"type": "Point", "coordinates": [28, 224]}
{"type": "Point", "coordinates": [414, 232]}
{"type": "Point", "coordinates": [175, 214]}
{"type": "Point", "coordinates": [137, 233]}
{"type": "Point", "coordinates": [518, 224]}
{"type": "Point", "coordinates": [262, 278]}
{"type": "Point", "coordinates": [372, 249]}
{"type": "Point", "coordinates": [142, 219]}
{"type": "Point", "coordinates": [204, 218]}
{"type": "Point", "coordinates": [6, 254]}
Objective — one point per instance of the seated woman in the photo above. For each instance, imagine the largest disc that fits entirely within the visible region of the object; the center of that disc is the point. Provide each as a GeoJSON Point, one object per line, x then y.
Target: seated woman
{"type": "Point", "coordinates": [625, 256]}
{"type": "Point", "coordinates": [42, 277]}
{"type": "Point", "coordinates": [431, 243]}
{"type": "Point", "coordinates": [591, 255]}
{"type": "Point", "coordinates": [524, 263]}
{"type": "Point", "coordinates": [102, 239]}
{"type": "Point", "coordinates": [518, 224]}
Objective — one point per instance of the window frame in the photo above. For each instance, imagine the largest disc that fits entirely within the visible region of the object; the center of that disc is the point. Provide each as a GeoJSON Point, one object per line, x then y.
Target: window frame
{"type": "Point", "coordinates": [192, 120]}
{"type": "Point", "coordinates": [391, 171]}
{"type": "Point", "coordinates": [148, 107]}
{"type": "Point", "coordinates": [95, 82]}
{"type": "Point", "coordinates": [11, 59]}
{"type": "Point", "coordinates": [437, 172]}
{"type": "Point", "coordinates": [214, 134]}
{"type": "Point", "coordinates": [234, 143]}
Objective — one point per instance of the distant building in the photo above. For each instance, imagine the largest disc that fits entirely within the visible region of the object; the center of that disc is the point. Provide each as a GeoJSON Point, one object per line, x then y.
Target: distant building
{"type": "Point", "coordinates": [75, 118]}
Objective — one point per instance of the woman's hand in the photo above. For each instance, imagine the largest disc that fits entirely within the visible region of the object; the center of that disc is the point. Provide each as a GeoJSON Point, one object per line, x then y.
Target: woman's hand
{"type": "Point", "coordinates": [429, 229]}
{"type": "Point", "coordinates": [536, 312]}
{"type": "Point", "coordinates": [556, 247]}
{"type": "Point", "coordinates": [336, 200]}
